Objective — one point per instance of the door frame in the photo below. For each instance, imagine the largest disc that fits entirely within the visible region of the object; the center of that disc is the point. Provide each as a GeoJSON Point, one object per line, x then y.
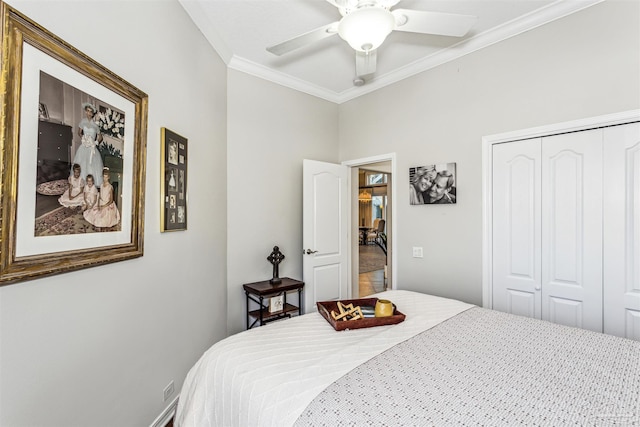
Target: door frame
{"type": "Point", "coordinates": [487, 182]}
{"type": "Point", "coordinates": [391, 247]}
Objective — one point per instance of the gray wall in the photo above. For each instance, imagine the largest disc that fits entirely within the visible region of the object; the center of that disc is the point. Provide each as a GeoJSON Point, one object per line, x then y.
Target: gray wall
{"type": "Point", "coordinates": [584, 65]}
{"type": "Point", "coordinates": [271, 129]}
{"type": "Point", "coordinates": [97, 347]}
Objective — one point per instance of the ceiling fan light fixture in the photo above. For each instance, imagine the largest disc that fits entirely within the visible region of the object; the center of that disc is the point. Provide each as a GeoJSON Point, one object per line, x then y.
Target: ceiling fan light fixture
{"type": "Point", "coordinates": [366, 28]}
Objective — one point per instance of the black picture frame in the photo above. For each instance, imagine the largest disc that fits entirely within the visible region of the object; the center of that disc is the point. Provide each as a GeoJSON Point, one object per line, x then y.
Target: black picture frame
{"type": "Point", "coordinates": [174, 165]}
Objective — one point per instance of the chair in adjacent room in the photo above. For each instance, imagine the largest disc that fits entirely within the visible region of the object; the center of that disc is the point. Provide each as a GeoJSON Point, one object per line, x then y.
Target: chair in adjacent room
{"type": "Point", "coordinates": [374, 234]}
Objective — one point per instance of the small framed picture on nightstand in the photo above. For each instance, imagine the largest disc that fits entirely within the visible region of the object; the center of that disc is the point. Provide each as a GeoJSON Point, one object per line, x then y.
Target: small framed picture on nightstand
{"type": "Point", "coordinates": [276, 303]}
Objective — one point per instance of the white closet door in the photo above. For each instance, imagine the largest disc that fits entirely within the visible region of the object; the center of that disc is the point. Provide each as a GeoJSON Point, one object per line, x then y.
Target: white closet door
{"type": "Point", "coordinates": [572, 229]}
{"type": "Point", "coordinates": [622, 230]}
{"type": "Point", "coordinates": [516, 228]}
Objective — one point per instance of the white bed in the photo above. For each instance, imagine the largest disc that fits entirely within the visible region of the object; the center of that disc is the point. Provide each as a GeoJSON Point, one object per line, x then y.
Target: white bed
{"type": "Point", "coordinates": [448, 362]}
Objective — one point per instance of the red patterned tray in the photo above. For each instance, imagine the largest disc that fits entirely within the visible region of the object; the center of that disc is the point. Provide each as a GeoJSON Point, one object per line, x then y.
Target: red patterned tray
{"type": "Point", "coordinates": [325, 307]}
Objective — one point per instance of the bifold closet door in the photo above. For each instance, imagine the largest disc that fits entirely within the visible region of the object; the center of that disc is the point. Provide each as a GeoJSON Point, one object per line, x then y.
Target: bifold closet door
{"type": "Point", "coordinates": [622, 230]}
{"type": "Point", "coordinates": [516, 275]}
{"type": "Point", "coordinates": [566, 229]}
{"type": "Point", "coordinates": [572, 183]}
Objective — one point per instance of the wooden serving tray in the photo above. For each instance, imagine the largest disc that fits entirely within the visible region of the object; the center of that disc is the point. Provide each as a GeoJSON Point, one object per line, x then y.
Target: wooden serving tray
{"type": "Point", "coordinates": [325, 307]}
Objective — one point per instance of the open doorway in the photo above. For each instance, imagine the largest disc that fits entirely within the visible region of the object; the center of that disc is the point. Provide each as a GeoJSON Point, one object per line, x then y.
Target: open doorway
{"type": "Point", "coordinates": [374, 187]}
{"type": "Point", "coordinates": [330, 227]}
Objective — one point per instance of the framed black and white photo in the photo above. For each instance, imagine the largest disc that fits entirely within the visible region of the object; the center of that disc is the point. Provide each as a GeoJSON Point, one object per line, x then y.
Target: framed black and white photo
{"type": "Point", "coordinates": [173, 216]}
{"type": "Point", "coordinates": [54, 146]}
{"type": "Point", "coordinates": [432, 184]}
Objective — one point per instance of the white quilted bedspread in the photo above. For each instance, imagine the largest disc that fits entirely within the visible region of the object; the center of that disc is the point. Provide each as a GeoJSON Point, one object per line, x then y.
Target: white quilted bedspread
{"type": "Point", "coordinates": [488, 368]}
{"type": "Point", "coordinates": [267, 376]}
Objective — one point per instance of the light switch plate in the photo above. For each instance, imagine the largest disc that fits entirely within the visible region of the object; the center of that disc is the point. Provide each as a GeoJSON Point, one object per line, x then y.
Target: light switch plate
{"type": "Point", "coordinates": [417, 252]}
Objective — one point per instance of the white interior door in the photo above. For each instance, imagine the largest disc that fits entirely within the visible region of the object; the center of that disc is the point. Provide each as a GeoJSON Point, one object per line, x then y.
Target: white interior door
{"type": "Point", "coordinates": [325, 225]}
{"type": "Point", "coordinates": [622, 230]}
{"type": "Point", "coordinates": [572, 229]}
{"type": "Point", "coordinates": [516, 228]}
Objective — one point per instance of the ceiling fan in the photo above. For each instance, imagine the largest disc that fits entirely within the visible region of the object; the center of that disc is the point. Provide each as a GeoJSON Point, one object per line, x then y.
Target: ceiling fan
{"type": "Point", "coordinates": [366, 23]}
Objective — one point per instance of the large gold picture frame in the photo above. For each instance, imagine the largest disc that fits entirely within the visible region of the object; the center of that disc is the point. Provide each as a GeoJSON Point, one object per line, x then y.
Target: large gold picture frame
{"type": "Point", "coordinates": [31, 246]}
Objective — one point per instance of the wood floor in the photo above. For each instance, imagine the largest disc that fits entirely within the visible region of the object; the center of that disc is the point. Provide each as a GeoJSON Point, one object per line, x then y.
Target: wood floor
{"type": "Point", "coordinates": [371, 283]}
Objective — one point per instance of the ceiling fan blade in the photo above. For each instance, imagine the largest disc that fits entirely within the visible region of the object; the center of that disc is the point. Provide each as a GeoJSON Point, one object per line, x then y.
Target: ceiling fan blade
{"type": "Point", "coordinates": [304, 39]}
{"type": "Point", "coordinates": [366, 62]}
{"type": "Point", "coordinates": [444, 24]}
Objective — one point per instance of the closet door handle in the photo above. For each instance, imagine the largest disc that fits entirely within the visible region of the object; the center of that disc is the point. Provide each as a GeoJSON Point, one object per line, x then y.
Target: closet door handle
{"type": "Point", "coordinates": [537, 287]}
{"type": "Point", "coordinates": [308, 252]}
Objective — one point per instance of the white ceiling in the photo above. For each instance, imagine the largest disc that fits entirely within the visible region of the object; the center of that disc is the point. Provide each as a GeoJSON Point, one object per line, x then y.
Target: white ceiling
{"type": "Point", "coordinates": [240, 30]}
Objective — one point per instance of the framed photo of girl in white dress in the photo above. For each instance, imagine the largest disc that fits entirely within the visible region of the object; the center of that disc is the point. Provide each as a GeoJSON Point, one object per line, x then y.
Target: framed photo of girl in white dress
{"type": "Point", "coordinates": [73, 167]}
{"type": "Point", "coordinates": [173, 212]}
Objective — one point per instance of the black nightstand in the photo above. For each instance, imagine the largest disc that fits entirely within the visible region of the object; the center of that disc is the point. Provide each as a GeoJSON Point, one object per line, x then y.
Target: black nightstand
{"type": "Point", "coordinates": [263, 290]}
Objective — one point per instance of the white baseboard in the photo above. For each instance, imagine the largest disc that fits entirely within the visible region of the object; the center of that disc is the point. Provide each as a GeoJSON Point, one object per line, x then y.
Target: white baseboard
{"type": "Point", "coordinates": [167, 414]}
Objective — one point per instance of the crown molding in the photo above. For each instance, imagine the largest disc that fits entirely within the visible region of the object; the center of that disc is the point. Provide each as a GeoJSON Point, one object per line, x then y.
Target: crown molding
{"type": "Point", "coordinates": [266, 73]}
{"type": "Point", "coordinates": [537, 18]}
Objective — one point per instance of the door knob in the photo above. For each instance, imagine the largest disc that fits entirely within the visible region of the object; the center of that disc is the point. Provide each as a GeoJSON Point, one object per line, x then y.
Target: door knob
{"type": "Point", "coordinates": [308, 252]}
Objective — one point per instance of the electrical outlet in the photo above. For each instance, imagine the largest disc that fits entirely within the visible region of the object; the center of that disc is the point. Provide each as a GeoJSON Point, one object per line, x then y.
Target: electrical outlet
{"type": "Point", "coordinates": [168, 391]}
{"type": "Point", "coordinates": [417, 252]}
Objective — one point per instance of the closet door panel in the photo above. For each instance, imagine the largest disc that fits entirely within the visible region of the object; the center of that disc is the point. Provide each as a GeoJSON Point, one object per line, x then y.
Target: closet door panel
{"type": "Point", "coordinates": [622, 230]}
{"type": "Point", "coordinates": [632, 325]}
{"type": "Point", "coordinates": [565, 311]}
{"type": "Point", "coordinates": [516, 228]}
{"type": "Point", "coordinates": [572, 229]}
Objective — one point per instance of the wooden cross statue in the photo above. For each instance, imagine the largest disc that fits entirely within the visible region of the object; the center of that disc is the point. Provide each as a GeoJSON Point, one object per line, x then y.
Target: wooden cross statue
{"type": "Point", "coordinates": [275, 258]}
